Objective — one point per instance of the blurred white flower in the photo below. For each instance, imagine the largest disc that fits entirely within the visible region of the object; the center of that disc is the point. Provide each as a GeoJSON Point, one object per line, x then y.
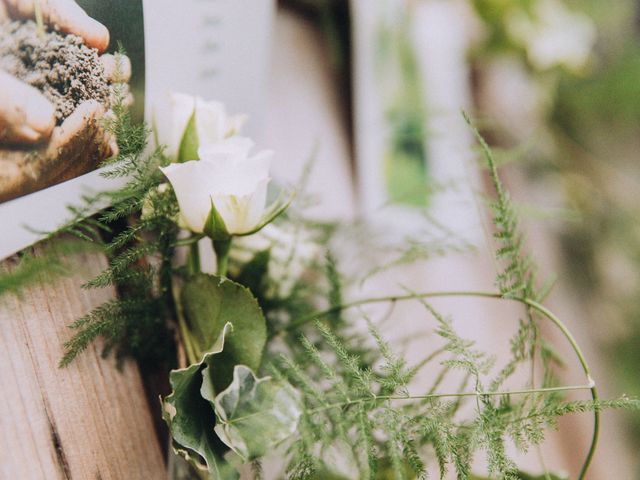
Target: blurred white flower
{"type": "Point", "coordinates": [554, 35]}
{"type": "Point", "coordinates": [211, 123]}
{"type": "Point", "coordinates": [292, 253]}
{"type": "Point", "coordinates": [226, 177]}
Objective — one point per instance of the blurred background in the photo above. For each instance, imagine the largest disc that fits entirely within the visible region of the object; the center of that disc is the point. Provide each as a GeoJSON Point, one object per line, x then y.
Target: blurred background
{"type": "Point", "coordinates": [373, 92]}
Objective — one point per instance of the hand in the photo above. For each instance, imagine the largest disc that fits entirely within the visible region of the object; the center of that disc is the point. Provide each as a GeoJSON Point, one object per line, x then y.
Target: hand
{"type": "Point", "coordinates": [63, 15]}
{"type": "Point", "coordinates": [26, 116]}
{"type": "Point", "coordinates": [73, 149]}
{"type": "Point", "coordinates": [34, 153]}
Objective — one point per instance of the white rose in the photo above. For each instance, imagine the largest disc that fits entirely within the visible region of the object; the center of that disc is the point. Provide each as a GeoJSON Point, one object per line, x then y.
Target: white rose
{"type": "Point", "coordinates": [226, 175]}
{"type": "Point", "coordinates": [292, 253]}
{"type": "Point", "coordinates": [212, 124]}
{"type": "Point", "coordinates": [554, 36]}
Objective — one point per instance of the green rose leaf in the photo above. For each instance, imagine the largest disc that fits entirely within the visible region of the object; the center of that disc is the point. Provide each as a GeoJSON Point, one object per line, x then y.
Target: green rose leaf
{"type": "Point", "coordinates": [190, 418]}
{"type": "Point", "coordinates": [255, 414]}
{"type": "Point", "coordinates": [209, 303]}
{"type": "Point", "coordinates": [189, 144]}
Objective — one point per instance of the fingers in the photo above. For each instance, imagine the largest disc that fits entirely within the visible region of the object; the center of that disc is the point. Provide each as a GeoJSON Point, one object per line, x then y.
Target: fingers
{"type": "Point", "coordinates": [76, 147]}
{"type": "Point", "coordinates": [26, 116]}
{"type": "Point", "coordinates": [86, 115]}
{"type": "Point", "coordinates": [83, 136]}
{"type": "Point", "coordinates": [67, 17]}
{"type": "Point", "coordinates": [117, 68]}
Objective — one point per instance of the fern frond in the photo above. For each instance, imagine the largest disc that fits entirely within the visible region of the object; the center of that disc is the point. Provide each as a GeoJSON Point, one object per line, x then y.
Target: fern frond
{"type": "Point", "coordinates": [360, 378]}
{"type": "Point", "coordinates": [366, 428]}
{"type": "Point", "coordinates": [517, 277]}
{"type": "Point", "coordinates": [29, 270]}
{"type": "Point", "coordinates": [396, 375]}
{"type": "Point", "coordinates": [121, 263]}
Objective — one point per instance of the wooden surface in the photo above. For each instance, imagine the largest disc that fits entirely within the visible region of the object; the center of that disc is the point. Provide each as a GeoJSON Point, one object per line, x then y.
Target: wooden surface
{"type": "Point", "coordinates": [87, 421]}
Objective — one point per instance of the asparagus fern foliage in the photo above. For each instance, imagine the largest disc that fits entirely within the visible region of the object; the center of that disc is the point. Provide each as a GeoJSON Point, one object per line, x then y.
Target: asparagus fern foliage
{"type": "Point", "coordinates": [337, 402]}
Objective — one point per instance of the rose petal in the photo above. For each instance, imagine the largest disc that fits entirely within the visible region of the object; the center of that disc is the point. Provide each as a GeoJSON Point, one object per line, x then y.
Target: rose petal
{"type": "Point", "coordinates": [242, 213]}
{"type": "Point", "coordinates": [190, 182]}
{"type": "Point", "coordinates": [237, 147]}
{"type": "Point", "coordinates": [211, 121]}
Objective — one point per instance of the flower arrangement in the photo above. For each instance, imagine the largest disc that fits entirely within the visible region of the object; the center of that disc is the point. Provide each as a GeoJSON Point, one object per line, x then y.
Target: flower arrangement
{"type": "Point", "coordinates": [267, 360]}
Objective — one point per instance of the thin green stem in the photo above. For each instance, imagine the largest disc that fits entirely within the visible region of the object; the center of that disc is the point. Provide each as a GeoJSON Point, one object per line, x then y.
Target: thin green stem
{"type": "Point", "coordinates": [526, 391]}
{"type": "Point", "coordinates": [382, 398]}
{"type": "Point", "coordinates": [585, 367]}
{"type": "Point", "coordinates": [495, 295]}
{"type": "Point", "coordinates": [193, 260]}
{"type": "Point", "coordinates": [222, 247]}
{"type": "Point", "coordinates": [392, 298]}
{"type": "Point", "coordinates": [189, 348]}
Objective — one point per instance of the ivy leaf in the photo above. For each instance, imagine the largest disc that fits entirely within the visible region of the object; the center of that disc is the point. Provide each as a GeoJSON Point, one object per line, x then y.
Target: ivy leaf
{"type": "Point", "coordinates": [226, 327]}
{"type": "Point", "coordinates": [255, 414]}
{"type": "Point", "coordinates": [209, 303]}
{"type": "Point", "coordinates": [190, 417]}
{"type": "Point", "coordinates": [189, 144]}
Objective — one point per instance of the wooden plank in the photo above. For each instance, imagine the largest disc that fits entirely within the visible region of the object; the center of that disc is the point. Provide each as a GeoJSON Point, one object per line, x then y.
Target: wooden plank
{"type": "Point", "coordinates": [87, 421]}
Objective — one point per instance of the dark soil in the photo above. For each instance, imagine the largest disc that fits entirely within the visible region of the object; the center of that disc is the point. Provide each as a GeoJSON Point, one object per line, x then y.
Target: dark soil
{"type": "Point", "coordinates": [62, 67]}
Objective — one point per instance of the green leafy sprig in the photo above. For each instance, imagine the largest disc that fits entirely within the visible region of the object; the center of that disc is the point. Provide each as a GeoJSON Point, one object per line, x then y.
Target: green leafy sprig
{"type": "Point", "coordinates": [350, 390]}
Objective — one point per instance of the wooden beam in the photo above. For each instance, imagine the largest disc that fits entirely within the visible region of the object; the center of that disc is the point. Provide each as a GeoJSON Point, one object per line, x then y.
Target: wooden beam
{"type": "Point", "coordinates": [86, 421]}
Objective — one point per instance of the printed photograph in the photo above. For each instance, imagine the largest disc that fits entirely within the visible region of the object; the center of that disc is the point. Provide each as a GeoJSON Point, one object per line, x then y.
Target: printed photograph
{"type": "Point", "coordinates": [319, 239]}
{"type": "Point", "coordinates": [64, 66]}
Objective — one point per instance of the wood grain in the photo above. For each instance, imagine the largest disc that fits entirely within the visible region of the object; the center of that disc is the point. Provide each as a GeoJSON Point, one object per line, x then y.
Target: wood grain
{"type": "Point", "coordinates": [87, 421]}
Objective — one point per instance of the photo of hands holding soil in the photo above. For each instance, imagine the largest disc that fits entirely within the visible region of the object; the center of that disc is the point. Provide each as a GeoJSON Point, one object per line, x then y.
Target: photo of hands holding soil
{"type": "Point", "coordinates": [60, 74]}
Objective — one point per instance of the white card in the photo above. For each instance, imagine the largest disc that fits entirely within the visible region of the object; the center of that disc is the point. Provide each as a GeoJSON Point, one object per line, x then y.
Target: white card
{"type": "Point", "coordinates": [218, 49]}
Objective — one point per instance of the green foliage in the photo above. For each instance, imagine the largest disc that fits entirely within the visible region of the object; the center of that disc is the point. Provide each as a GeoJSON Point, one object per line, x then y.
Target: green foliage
{"type": "Point", "coordinates": [255, 414]}
{"type": "Point", "coordinates": [253, 274]}
{"type": "Point", "coordinates": [345, 392]}
{"type": "Point", "coordinates": [139, 255]}
{"type": "Point", "coordinates": [517, 278]}
{"type": "Point", "coordinates": [110, 321]}
{"type": "Point", "coordinates": [610, 96]}
{"type": "Point", "coordinates": [524, 476]}
{"type": "Point", "coordinates": [190, 416]}
{"type": "Point", "coordinates": [28, 267]}
{"type": "Point", "coordinates": [389, 430]}
{"type": "Point", "coordinates": [250, 416]}
{"type": "Point", "coordinates": [209, 303]}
